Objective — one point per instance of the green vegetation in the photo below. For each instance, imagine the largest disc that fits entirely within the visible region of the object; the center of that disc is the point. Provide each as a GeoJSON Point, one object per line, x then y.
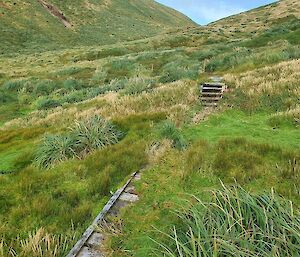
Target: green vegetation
{"type": "Point", "coordinates": [169, 131]}
{"type": "Point", "coordinates": [65, 198]}
{"type": "Point", "coordinates": [54, 149]}
{"type": "Point", "coordinates": [86, 136]}
{"type": "Point", "coordinates": [113, 21]}
{"type": "Point", "coordinates": [176, 176]}
{"type": "Point", "coordinates": [236, 223]}
{"type": "Point", "coordinates": [79, 118]}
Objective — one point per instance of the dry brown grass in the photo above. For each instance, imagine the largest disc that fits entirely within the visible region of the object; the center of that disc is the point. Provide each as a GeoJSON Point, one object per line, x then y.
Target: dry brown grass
{"type": "Point", "coordinates": [174, 99]}
{"type": "Point", "coordinates": [269, 80]}
{"type": "Point", "coordinates": [38, 244]}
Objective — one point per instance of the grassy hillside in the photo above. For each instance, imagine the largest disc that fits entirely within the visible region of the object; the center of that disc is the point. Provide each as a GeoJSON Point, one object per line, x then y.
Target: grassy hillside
{"type": "Point", "coordinates": [28, 26]}
{"type": "Point", "coordinates": [148, 89]}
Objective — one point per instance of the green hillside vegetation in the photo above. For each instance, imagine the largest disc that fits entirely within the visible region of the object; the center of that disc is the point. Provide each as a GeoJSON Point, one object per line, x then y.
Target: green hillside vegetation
{"type": "Point", "coordinates": [144, 95]}
{"type": "Point", "coordinates": [28, 26]}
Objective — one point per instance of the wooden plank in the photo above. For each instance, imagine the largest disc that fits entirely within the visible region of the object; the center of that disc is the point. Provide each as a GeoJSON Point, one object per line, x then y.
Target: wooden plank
{"type": "Point", "coordinates": [211, 98]}
{"type": "Point", "coordinates": [212, 88]}
{"type": "Point", "coordinates": [212, 93]}
{"type": "Point", "coordinates": [86, 235]}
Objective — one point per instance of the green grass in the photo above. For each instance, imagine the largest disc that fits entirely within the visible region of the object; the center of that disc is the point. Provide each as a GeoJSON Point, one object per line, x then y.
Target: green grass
{"type": "Point", "coordinates": [236, 223]}
{"type": "Point", "coordinates": [231, 124]}
{"type": "Point", "coordinates": [68, 196]}
{"type": "Point", "coordinates": [131, 20]}
{"type": "Point", "coordinates": [168, 186]}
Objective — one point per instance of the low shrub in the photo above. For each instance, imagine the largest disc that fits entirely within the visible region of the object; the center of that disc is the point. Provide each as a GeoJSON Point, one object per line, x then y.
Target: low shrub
{"type": "Point", "coordinates": [13, 85]}
{"type": "Point", "coordinates": [120, 69]}
{"type": "Point", "coordinates": [99, 76]}
{"type": "Point", "coordinates": [6, 97]}
{"type": "Point", "coordinates": [72, 84]}
{"type": "Point", "coordinates": [177, 70]}
{"type": "Point", "coordinates": [75, 96]}
{"type": "Point", "coordinates": [117, 85]}
{"type": "Point", "coordinates": [236, 223]}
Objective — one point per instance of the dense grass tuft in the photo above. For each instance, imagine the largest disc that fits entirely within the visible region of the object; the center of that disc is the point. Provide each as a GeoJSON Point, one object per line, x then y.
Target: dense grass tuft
{"type": "Point", "coordinates": [237, 223]}
{"type": "Point", "coordinates": [85, 136]}
{"type": "Point", "coordinates": [54, 149]}
{"type": "Point", "coordinates": [40, 243]}
{"type": "Point", "coordinates": [169, 131]}
{"type": "Point", "coordinates": [94, 133]}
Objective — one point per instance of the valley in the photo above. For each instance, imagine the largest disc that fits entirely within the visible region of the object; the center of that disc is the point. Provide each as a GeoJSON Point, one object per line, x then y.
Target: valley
{"type": "Point", "coordinates": [81, 111]}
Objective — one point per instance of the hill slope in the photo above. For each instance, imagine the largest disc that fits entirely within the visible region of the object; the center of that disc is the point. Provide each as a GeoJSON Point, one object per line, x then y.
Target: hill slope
{"type": "Point", "coordinates": [46, 25]}
{"type": "Point", "coordinates": [259, 19]}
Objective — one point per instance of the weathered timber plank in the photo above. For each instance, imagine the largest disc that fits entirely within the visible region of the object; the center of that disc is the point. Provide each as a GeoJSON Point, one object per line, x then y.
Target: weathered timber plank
{"type": "Point", "coordinates": [86, 235]}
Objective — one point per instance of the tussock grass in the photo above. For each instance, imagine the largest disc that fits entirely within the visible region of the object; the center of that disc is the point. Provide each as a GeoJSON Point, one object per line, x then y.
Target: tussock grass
{"type": "Point", "coordinates": [94, 133]}
{"type": "Point", "coordinates": [39, 244]}
{"type": "Point", "coordinates": [138, 84]}
{"type": "Point", "coordinates": [236, 223]}
{"type": "Point", "coordinates": [54, 149]}
{"type": "Point", "coordinates": [85, 136]}
{"type": "Point", "coordinates": [287, 118]}
{"type": "Point", "coordinates": [271, 89]}
{"type": "Point", "coordinates": [168, 130]}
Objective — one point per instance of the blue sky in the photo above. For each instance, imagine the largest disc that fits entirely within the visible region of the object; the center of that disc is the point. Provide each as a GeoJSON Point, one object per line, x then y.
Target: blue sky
{"type": "Point", "coordinates": [205, 11]}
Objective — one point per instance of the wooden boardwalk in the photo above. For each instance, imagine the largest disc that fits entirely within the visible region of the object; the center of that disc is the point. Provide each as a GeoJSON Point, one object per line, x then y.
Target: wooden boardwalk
{"type": "Point", "coordinates": [91, 242]}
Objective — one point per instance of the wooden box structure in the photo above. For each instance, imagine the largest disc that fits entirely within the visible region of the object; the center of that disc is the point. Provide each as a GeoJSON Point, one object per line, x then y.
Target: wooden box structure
{"type": "Point", "coordinates": [211, 93]}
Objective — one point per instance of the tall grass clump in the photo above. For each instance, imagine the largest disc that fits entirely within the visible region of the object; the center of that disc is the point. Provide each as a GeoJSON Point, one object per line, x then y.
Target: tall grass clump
{"type": "Point", "coordinates": [39, 243]}
{"type": "Point", "coordinates": [169, 131]}
{"type": "Point", "coordinates": [236, 223]}
{"type": "Point", "coordinates": [94, 133]}
{"type": "Point", "coordinates": [137, 85]}
{"type": "Point", "coordinates": [54, 149]}
{"type": "Point", "coordinates": [47, 103]}
{"type": "Point", "coordinates": [286, 118]}
{"type": "Point", "coordinates": [84, 137]}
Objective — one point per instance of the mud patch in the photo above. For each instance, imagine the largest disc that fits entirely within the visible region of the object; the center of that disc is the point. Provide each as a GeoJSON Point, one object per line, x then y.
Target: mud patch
{"type": "Point", "coordinates": [54, 11]}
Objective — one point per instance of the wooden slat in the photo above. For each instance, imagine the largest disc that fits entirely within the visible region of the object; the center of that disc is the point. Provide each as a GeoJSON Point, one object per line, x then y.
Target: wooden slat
{"type": "Point", "coordinates": [211, 98]}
